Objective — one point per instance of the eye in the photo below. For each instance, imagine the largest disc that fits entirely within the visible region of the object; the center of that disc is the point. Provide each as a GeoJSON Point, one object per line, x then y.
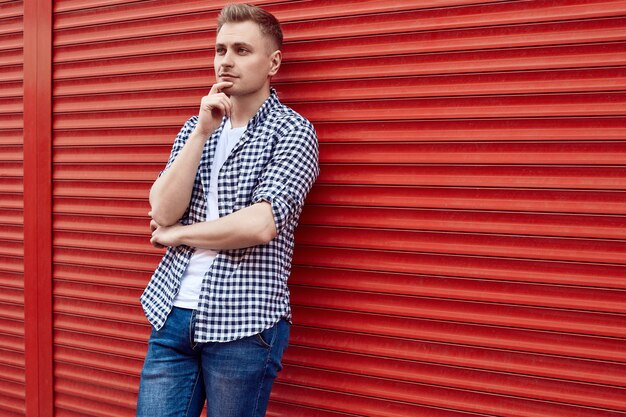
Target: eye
{"type": "Point", "coordinates": [243, 51]}
{"type": "Point", "coordinates": [220, 51]}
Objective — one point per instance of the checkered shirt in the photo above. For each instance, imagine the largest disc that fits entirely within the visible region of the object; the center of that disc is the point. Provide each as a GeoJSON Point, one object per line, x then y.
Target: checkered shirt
{"type": "Point", "coordinates": [245, 290]}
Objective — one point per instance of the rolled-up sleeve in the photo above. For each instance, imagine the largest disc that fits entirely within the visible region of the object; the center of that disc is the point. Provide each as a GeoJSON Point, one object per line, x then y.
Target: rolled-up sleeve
{"type": "Point", "coordinates": [290, 174]}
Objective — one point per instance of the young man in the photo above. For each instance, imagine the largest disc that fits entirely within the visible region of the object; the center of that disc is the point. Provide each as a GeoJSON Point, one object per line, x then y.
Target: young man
{"type": "Point", "coordinates": [226, 207]}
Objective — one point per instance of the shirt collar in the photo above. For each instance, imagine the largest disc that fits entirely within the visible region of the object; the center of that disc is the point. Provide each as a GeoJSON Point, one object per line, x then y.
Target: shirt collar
{"type": "Point", "coordinates": [266, 109]}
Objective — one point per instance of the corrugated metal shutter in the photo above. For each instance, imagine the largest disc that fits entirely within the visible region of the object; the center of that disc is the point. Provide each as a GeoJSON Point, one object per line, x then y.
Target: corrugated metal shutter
{"type": "Point", "coordinates": [463, 251]}
{"type": "Point", "coordinates": [12, 368]}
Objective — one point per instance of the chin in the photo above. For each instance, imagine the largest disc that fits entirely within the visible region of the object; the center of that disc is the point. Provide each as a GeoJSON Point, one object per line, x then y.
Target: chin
{"type": "Point", "coordinates": [229, 91]}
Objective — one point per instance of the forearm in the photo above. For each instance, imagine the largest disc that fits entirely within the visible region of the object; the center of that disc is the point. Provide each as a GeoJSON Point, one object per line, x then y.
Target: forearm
{"type": "Point", "coordinates": [250, 226]}
{"type": "Point", "coordinates": [171, 192]}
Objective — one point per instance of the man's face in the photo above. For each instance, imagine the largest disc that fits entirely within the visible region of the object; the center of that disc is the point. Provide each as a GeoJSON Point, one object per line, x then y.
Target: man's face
{"type": "Point", "coordinates": [243, 56]}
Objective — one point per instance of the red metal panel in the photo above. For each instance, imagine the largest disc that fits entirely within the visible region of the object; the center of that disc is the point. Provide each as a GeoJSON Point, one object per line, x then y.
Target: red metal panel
{"type": "Point", "coordinates": [462, 252]}
{"type": "Point", "coordinates": [525, 176]}
{"type": "Point", "coordinates": [557, 390]}
{"type": "Point", "coordinates": [86, 14]}
{"type": "Point", "coordinates": [503, 246]}
{"type": "Point", "coordinates": [508, 269]}
{"type": "Point", "coordinates": [12, 356]}
{"type": "Point", "coordinates": [553, 153]}
{"type": "Point", "coordinates": [549, 57]}
{"type": "Point", "coordinates": [100, 331]}
{"type": "Point", "coordinates": [567, 33]}
{"type": "Point", "coordinates": [607, 300]}
{"type": "Point", "coordinates": [342, 402]}
{"type": "Point", "coordinates": [508, 36]}
{"type": "Point", "coordinates": [437, 396]}
{"type": "Point", "coordinates": [505, 199]}
{"type": "Point", "coordinates": [506, 339]}
{"type": "Point", "coordinates": [472, 15]}
{"type": "Point", "coordinates": [38, 206]}
{"type": "Point", "coordinates": [458, 355]}
{"type": "Point", "coordinates": [502, 314]}
{"type": "Point", "coordinates": [517, 223]}
{"type": "Point", "coordinates": [562, 105]}
{"type": "Point", "coordinates": [147, 20]}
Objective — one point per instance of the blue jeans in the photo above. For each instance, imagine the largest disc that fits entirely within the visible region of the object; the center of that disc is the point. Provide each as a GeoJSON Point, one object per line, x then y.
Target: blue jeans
{"type": "Point", "coordinates": [235, 378]}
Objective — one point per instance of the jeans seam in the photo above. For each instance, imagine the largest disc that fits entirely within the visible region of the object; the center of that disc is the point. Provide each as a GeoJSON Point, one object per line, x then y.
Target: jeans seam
{"type": "Point", "coordinates": [195, 385]}
{"type": "Point", "coordinates": [267, 361]}
{"type": "Point", "coordinates": [192, 330]}
{"type": "Point", "coordinates": [260, 388]}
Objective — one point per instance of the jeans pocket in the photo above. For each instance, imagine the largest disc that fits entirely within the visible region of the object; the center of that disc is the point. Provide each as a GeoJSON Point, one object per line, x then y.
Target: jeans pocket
{"type": "Point", "coordinates": [266, 337]}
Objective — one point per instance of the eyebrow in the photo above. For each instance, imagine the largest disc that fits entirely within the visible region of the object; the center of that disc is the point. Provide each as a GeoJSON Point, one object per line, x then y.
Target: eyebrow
{"type": "Point", "coordinates": [236, 45]}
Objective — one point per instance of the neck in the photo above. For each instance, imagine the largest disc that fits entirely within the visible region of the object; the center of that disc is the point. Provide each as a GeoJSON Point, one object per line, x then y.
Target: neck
{"type": "Point", "coordinates": [245, 107]}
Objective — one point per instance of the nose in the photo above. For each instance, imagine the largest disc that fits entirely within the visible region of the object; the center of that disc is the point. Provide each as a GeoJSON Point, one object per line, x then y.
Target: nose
{"type": "Point", "coordinates": [227, 59]}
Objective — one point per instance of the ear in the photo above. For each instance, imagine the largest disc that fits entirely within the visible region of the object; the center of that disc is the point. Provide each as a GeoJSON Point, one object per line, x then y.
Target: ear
{"type": "Point", "coordinates": [275, 59]}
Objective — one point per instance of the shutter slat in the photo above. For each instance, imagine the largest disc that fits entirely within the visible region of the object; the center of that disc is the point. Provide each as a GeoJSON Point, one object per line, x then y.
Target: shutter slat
{"type": "Point", "coordinates": [592, 153]}
{"type": "Point", "coordinates": [547, 272]}
{"type": "Point", "coordinates": [601, 251]}
{"type": "Point", "coordinates": [611, 227]}
{"type": "Point", "coordinates": [605, 178]}
{"type": "Point", "coordinates": [551, 201]}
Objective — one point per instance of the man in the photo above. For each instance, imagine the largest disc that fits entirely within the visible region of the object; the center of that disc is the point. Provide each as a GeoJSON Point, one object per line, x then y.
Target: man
{"type": "Point", "coordinates": [226, 207]}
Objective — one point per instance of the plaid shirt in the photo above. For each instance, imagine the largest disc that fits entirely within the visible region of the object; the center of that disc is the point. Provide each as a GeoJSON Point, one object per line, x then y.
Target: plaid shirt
{"type": "Point", "coordinates": [245, 290]}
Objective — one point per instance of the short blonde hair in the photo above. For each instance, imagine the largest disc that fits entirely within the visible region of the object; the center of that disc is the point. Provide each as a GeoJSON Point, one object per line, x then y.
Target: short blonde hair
{"type": "Point", "coordinates": [238, 13]}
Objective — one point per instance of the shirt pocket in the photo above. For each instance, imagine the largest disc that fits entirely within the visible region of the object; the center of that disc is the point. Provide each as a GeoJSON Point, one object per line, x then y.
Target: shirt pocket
{"type": "Point", "coordinates": [242, 173]}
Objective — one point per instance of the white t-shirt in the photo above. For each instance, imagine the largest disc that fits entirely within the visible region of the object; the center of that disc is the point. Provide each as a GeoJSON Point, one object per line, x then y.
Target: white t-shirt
{"type": "Point", "coordinates": [201, 260]}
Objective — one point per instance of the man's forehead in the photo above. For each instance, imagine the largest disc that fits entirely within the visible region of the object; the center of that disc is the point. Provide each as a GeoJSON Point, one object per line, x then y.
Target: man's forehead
{"type": "Point", "coordinates": [243, 33]}
{"type": "Point", "coordinates": [239, 32]}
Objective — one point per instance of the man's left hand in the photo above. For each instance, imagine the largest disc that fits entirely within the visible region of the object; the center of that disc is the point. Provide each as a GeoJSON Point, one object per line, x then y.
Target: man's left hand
{"type": "Point", "coordinates": [163, 236]}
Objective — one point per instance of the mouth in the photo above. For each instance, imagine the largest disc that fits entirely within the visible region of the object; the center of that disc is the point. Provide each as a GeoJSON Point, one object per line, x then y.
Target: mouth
{"type": "Point", "coordinates": [227, 76]}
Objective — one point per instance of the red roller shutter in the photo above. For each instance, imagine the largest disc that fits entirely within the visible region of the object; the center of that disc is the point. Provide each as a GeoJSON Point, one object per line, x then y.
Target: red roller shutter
{"type": "Point", "coordinates": [462, 253]}
{"type": "Point", "coordinates": [12, 367]}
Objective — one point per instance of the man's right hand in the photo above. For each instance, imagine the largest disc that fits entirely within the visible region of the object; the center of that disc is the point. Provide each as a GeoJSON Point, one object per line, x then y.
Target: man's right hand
{"type": "Point", "coordinates": [213, 107]}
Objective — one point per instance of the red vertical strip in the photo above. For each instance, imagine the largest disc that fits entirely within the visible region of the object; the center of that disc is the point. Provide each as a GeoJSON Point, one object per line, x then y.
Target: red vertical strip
{"type": "Point", "coordinates": [37, 206]}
